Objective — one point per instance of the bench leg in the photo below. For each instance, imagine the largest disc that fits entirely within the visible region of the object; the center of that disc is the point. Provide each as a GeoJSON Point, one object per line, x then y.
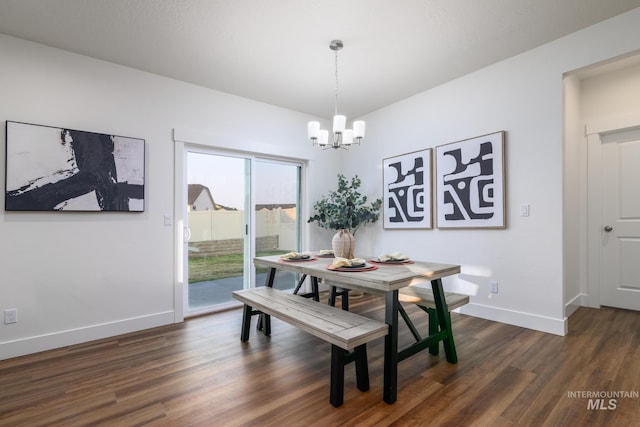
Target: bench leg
{"type": "Point", "coordinates": [336, 394]}
{"type": "Point", "coordinates": [340, 358]}
{"type": "Point", "coordinates": [433, 329]}
{"type": "Point", "coordinates": [344, 293]}
{"type": "Point", "coordinates": [246, 323]}
{"type": "Point", "coordinates": [264, 323]}
{"type": "Point", "coordinates": [362, 367]}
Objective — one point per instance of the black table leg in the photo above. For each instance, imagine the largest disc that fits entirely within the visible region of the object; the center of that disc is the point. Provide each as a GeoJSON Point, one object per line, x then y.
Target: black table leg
{"type": "Point", "coordinates": [444, 321]}
{"type": "Point", "coordinates": [390, 386]}
{"type": "Point", "coordinates": [314, 288]}
{"type": "Point", "coordinates": [299, 285]}
{"type": "Point", "coordinates": [270, 277]}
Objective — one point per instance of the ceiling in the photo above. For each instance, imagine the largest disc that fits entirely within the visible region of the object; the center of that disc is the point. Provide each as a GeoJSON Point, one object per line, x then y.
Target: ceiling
{"type": "Point", "coordinates": [277, 51]}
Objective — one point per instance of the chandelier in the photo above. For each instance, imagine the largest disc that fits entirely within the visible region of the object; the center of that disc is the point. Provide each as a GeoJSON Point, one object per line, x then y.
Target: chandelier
{"type": "Point", "coordinates": [342, 137]}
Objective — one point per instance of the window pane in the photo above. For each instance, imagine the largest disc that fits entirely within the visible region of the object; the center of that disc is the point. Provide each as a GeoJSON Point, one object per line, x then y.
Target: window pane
{"type": "Point", "coordinates": [216, 219]}
{"type": "Point", "coordinates": [277, 223]}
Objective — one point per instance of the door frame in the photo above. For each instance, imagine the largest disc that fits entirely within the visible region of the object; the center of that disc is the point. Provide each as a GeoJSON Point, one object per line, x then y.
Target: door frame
{"type": "Point", "coordinates": [248, 273]}
{"type": "Point", "coordinates": [594, 136]}
{"type": "Point", "coordinates": [184, 138]}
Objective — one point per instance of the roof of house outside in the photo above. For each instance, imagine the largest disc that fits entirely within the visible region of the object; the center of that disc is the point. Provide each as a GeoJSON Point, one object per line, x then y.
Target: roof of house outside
{"type": "Point", "coordinates": [195, 190]}
{"type": "Point", "coordinates": [275, 206]}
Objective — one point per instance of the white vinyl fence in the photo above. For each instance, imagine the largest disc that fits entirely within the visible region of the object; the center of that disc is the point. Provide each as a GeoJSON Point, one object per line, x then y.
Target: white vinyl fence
{"type": "Point", "coordinates": [229, 225]}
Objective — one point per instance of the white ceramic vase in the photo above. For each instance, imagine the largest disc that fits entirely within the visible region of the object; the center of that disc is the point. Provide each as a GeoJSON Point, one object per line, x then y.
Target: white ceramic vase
{"type": "Point", "coordinates": [343, 244]}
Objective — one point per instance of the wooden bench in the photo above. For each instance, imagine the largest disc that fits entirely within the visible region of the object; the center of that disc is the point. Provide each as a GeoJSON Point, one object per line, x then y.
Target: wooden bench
{"type": "Point", "coordinates": [424, 298]}
{"type": "Point", "coordinates": [348, 333]}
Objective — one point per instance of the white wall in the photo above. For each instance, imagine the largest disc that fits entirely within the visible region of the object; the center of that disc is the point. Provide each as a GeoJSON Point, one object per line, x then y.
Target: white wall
{"type": "Point", "coordinates": [611, 96]}
{"type": "Point", "coordinates": [523, 96]}
{"type": "Point", "coordinates": [79, 276]}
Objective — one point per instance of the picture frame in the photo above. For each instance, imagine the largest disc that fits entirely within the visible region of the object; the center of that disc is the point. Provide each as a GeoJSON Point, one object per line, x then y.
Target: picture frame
{"type": "Point", "coordinates": [61, 169]}
{"type": "Point", "coordinates": [407, 190]}
{"type": "Point", "coordinates": [470, 183]}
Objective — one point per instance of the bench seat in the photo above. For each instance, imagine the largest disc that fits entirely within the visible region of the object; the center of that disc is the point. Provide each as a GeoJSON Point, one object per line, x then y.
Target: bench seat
{"type": "Point", "coordinates": [347, 332]}
{"type": "Point", "coordinates": [424, 297]}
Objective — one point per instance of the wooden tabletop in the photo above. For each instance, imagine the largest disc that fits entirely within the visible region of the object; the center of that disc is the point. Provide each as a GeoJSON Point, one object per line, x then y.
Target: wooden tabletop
{"type": "Point", "coordinates": [387, 277]}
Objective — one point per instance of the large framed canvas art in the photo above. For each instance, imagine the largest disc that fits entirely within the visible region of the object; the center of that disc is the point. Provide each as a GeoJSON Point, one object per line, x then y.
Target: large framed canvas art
{"type": "Point", "coordinates": [407, 190]}
{"type": "Point", "coordinates": [60, 169]}
{"type": "Point", "coordinates": [470, 183]}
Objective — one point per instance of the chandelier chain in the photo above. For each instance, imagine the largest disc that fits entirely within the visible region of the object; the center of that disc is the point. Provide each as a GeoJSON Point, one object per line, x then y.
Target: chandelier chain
{"type": "Point", "coordinates": [336, 106]}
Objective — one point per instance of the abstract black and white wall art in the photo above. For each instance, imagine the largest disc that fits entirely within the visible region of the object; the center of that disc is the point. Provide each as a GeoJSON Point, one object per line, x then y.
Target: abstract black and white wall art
{"type": "Point", "coordinates": [407, 190]}
{"type": "Point", "coordinates": [470, 183]}
{"type": "Point", "coordinates": [58, 169]}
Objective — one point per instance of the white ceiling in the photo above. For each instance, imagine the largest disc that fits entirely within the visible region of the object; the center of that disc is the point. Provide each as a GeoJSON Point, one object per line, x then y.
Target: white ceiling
{"type": "Point", "coordinates": [277, 51]}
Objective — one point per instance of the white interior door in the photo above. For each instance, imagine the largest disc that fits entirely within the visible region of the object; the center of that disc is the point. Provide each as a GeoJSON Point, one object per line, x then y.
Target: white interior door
{"type": "Point", "coordinates": [620, 263]}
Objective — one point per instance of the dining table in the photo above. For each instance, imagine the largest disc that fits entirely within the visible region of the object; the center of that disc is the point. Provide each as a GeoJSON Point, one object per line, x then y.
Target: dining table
{"type": "Point", "coordinates": [378, 278]}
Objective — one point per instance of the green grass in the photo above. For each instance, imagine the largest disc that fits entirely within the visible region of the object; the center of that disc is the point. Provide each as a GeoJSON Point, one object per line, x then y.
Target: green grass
{"type": "Point", "coordinates": [221, 266]}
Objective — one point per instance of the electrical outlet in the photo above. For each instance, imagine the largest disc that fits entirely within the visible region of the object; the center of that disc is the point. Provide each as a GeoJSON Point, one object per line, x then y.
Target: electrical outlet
{"type": "Point", "coordinates": [10, 316]}
{"type": "Point", "coordinates": [493, 286]}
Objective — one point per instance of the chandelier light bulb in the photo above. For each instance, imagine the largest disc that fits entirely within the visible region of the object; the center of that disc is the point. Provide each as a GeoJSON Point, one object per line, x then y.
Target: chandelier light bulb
{"type": "Point", "coordinates": [339, 123]}
{"type": "Point", "coordinates": [313, 130]}
{"type": "Point", "coordinates": [358, 129]}
{"type": "Point", "coordinates": [323, 138]}
{"type": "Point", "coordinates": [347, 137]}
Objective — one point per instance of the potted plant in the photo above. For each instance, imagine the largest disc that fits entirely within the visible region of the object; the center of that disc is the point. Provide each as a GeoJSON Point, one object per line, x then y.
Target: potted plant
{"type": "Point", "coordinates": [345, 210]}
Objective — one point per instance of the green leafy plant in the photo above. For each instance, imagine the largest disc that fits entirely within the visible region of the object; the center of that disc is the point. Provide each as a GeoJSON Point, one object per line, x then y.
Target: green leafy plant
{"type": "Point", "coordinates": [345, 208]}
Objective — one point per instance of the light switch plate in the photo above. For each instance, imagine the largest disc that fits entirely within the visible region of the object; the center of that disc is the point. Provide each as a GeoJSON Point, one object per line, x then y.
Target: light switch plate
{"type": "Point", "coordinates": [10, 316]}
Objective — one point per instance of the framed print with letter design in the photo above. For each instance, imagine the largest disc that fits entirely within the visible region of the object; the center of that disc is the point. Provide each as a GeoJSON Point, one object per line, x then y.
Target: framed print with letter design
{"type": "Point", "coordinates": [407, 190]}
{"type": "Point", "coordinates": [470, 183]}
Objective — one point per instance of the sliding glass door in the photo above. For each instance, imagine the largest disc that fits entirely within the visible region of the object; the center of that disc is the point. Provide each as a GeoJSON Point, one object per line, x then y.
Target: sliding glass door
{"type": "Point", "coordinates": [277, 224]}
{"type": "Point", "coordinates": [238, 207]}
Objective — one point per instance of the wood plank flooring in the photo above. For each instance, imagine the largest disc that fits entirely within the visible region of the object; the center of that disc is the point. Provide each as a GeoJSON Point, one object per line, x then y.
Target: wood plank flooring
{"type": "Point", "coordinates": [199, 374]}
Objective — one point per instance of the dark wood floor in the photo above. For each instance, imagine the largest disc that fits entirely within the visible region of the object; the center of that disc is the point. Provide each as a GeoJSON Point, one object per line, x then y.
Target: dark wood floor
{"type": "Point", "coordinates": [199, 374]}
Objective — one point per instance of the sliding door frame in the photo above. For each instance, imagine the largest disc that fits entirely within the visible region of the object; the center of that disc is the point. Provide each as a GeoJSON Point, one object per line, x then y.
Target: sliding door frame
{"type": "Point", "coordinates": [181, 148]}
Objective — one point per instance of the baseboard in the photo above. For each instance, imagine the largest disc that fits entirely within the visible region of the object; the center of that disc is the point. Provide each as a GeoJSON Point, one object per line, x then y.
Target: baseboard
{"type": "Point", "coordinates": [35, 344]}
{"type": "Point", "coordinates": [517, 318]}
{"type": "Point", "coordinates": [575, 303]}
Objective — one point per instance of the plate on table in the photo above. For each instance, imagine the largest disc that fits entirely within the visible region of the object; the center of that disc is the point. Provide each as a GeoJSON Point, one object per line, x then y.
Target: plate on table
{"type": "Point", "coordinates": [353, 268]}
{"type": "Point", "coordinates": [326, 255]}
{"type": "Point", "coordinates": [391, 261]}
{"type": "Point", "coordinates": [299, 259]}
